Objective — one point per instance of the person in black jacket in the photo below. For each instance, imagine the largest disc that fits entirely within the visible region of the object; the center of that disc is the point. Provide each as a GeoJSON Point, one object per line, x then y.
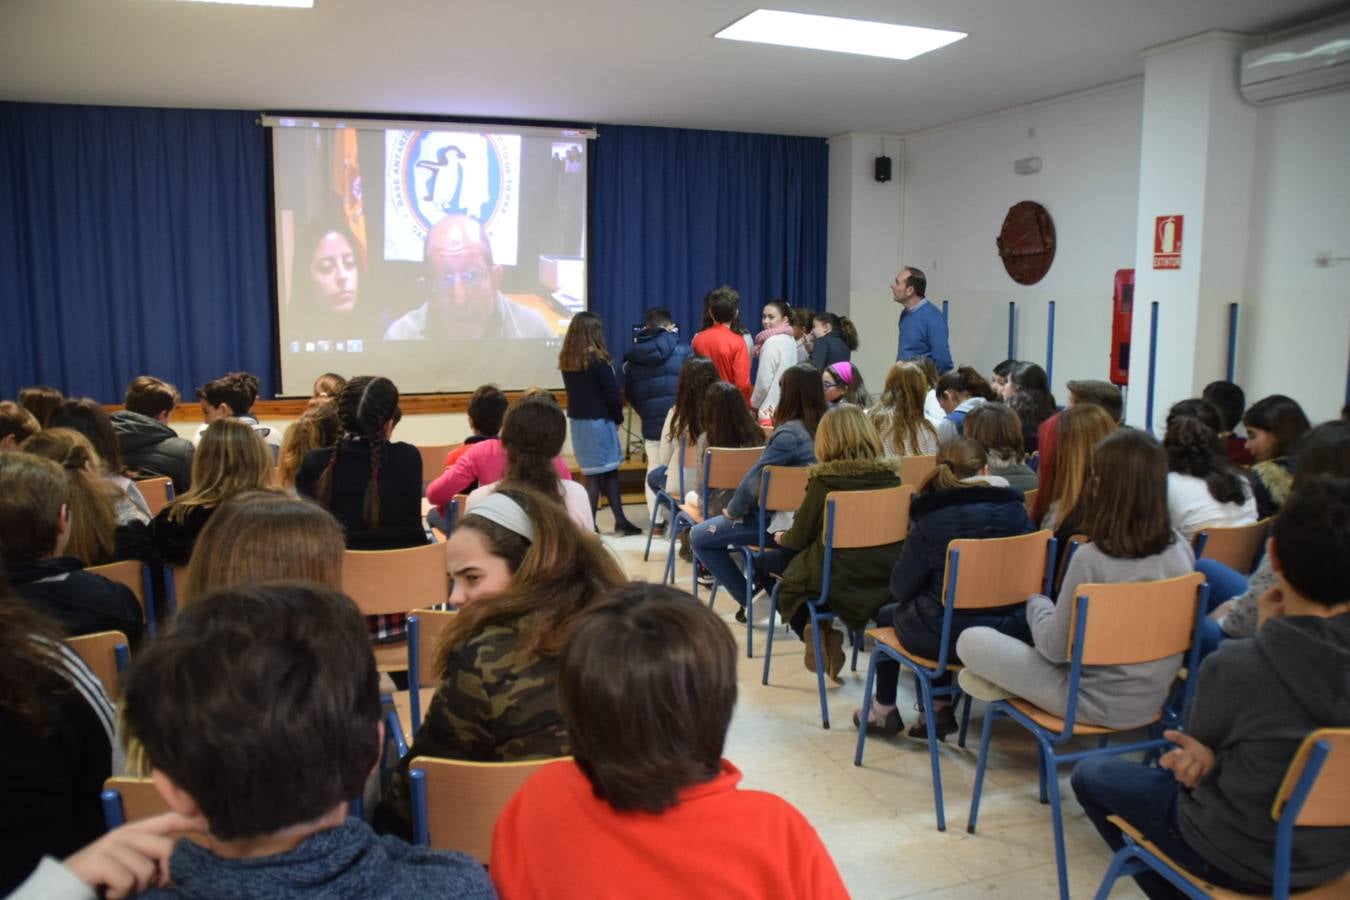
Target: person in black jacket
{"type": "Point", "coordinates": [34, 528]}
{"type": "Point", "coordinates": [836, 339]}
{"type": "Point", "coordinates": [959, 500]}
{"type": "Point", "coordinates": [651, 369]}
{"type": "Point", "coordinates": [148, 444]}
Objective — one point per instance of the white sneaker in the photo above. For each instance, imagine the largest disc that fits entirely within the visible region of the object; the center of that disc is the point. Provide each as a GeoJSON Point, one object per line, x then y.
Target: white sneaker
{"type": "Point", "coordinates": [981, 688]}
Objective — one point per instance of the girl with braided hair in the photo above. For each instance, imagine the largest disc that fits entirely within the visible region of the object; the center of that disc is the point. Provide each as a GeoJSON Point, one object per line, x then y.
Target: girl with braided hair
{"type": "Point", "coordinates": [371, 484]}
{"type": "Point", "coordinates": [1203, 487]}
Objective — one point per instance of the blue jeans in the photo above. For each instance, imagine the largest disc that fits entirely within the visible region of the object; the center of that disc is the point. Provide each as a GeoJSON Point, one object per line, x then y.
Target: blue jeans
{"type": "Point", "coordinates": [710, 540]}
{"type": "Point", "coordinates": [1145, 797]}
{"type": "Point", "coordinates": [1224, 583]}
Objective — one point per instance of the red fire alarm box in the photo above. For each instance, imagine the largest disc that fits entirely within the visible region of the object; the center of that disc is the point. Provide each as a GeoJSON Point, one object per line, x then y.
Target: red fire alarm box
{"type": "Point", "coordinates": [1122, 315]}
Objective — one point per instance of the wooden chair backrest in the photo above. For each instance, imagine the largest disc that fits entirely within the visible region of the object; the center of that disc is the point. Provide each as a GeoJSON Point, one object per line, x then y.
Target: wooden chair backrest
{"type": "Point", "coordinates": [158, 492]}
{"type": "Point", "coordinates": [869, 518]}
{"type": "Point", "coordinates": [433, 460]}
{"type": "Point", "coordinates": [914, 469]}
{"type": "Point", "coordinates": [140, 800]}
{"type": "Point", "coordinates": [129, 572]}
{"type": "Point", "coordinates": [787, 487]}
{"type": "Point", "coordinates": [99, 652]}
{"type": "Point", "coordinates": [995, 572]}
{"type": "Point", "coordinates": [465, 798]}
{"type": "Point", "coordinates": [728, 465]}
{"type": "Point", "coordinates": [1029, 499]}
{"type": "Point", "coordinates": [392, 581]}
{"type": "Point", "coordinates": [431, 623]}
{"type": "Point", "coordinates": [1236, 546]}
{"type": "Point", "coordinates": [1328, 803]}
{"type": "Point", "coordinates": [1137, 622]}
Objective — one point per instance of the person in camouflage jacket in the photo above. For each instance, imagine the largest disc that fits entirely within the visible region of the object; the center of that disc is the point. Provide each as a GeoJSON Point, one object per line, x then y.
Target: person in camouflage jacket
{"type": "Point", "coordinates": [497, 701]}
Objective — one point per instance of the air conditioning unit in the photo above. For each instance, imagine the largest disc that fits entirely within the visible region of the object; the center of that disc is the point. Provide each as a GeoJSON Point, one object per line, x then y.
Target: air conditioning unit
{"type": "Point", "coordinates": [1313, 62]}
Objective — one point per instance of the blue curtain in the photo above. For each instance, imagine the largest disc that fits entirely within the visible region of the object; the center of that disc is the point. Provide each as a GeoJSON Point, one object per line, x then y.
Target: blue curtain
{"type": "Point", "coordinates": [134, 241]}
{"type": "Point", "coordinates": [675, 213]}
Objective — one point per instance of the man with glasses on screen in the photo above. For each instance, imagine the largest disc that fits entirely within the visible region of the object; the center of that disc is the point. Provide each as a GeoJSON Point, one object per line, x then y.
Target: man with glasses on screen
{"type": "Point", "coordinates": [461, 283]}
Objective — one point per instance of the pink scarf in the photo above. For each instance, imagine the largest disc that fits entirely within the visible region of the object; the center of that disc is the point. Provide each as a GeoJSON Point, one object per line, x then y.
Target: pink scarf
{"type": "Point", "coordinates": [768, 333]}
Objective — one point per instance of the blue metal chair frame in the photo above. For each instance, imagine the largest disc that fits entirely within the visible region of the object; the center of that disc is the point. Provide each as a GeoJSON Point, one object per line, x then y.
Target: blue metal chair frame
{"type": "Point", "coordinates": [671, 505]}
{"type": "Point", "coordinates": [113, 814]}
{"type": "Point", "coordinates": [1134, 858]}
{"type": "Point", "coordinates": [924, 678]}
{"type": "Point", "coordinates": [819, 610]}
{"type": "Point", "coordinates": [752, 553]}
{"type": "Point", "coordinates": [1050, 741]}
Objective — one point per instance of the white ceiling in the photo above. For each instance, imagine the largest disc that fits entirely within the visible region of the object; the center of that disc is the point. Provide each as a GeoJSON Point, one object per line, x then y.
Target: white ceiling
{"type": "Point", "coordinates": [608, 61]}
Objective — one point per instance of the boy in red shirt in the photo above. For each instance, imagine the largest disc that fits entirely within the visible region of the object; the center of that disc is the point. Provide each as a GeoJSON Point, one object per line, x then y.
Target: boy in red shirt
{"type": "Point", "coordinates": [647, 683]}
{"type": "Point", "coordinates": [723, 346]}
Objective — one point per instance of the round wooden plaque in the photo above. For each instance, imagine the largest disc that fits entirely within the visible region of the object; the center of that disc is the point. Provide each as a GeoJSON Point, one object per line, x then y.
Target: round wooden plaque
{"type": "Point", "coordinates": [1026, 243]}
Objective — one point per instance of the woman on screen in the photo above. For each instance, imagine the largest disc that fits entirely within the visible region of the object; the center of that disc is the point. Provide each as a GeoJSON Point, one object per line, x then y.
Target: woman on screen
{"type": "Point", "coordinates": [329, 273]}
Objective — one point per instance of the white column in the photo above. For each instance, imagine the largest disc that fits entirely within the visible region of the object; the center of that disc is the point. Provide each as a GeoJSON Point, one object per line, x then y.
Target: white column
{"type": "Point", "coordinates": [1196, 161]}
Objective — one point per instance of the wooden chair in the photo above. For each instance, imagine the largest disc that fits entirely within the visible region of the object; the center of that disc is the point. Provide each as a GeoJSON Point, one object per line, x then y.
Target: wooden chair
{"type": "Point", "coordinates": [456, 803]}
{"type": "Point", "coordinates": [433, 461]}
{"type": "Point", "coordinates": [853, 520]}
{"type": "Point", "coordinates": [1236, 546]}
{"type": "Point", "coordinates": [1315, 793]}
{"type": "Point", "coordinates": [424, 633]}
{"type": "Point", "coordinates": [1112, 625]}
{"type": "Point", "coordinates": [914, 469]}
{"type": "Point", "coordinates": [383, 582]}
{"type": "Point", "coordinates": [107, 654]}
{"type": "Point", "coordinates": [781, 488]}
{"type": "Point", "coordinates": [723, 469]}
{"type": "Point", "coordinates": [138, 579]}
{"type": "Point", "coordinates": [158, 492]}
{"type": "Point", "coordinates": [1029, 499]}
{"type": "Point", "coordinates": [127, 799]}
{"type": "Point", "coordinates": [990, 573]}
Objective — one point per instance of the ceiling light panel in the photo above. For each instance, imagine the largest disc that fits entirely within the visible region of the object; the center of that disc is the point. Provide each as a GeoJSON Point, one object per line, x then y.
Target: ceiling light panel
{"type": "Point", "coordinates": [812, 32]}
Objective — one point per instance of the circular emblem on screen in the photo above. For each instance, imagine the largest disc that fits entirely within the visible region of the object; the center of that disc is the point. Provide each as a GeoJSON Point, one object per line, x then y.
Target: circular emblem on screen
{"type": "Point", "coordinates": [436, 173]}
{"type": "Point", "coordinates": [1027, 242]}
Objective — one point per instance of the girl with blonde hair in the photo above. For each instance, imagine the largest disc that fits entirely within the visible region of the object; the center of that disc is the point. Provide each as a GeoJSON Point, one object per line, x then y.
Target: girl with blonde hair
{"type": "Point", "coordinates": [899, 414]}
{"type": "Point", "coordinates": [523, 573]}
{"type": "Point", "coordinates": [318, 427]}
{"type": "Point", "coordinates": [1080, 429]}
{"type": "Point", "coordinates": [93, 520]}
{"type": "Point", "coordinates": [850, 459]}
{"type": "Point", "coordinates": [258, 536]}
{"type": "Point", "coordinates": [231, 458]}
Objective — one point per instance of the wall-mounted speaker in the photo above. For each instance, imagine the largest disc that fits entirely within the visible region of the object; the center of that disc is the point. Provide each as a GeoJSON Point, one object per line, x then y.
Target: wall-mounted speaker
{"type": "Point", "coordinates": [883, 168]}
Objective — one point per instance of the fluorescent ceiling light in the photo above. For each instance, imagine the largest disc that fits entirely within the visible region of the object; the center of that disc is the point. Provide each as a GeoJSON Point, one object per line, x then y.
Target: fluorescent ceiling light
{"type": "Point", "coordinates": [296, 4]}
{"type": "Point", "coordinates": [790, 29]}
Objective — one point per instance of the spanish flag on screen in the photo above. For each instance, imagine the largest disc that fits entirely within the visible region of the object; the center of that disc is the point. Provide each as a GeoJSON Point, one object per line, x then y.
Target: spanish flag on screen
{"type": "Point", "coordinates": [346, 183]}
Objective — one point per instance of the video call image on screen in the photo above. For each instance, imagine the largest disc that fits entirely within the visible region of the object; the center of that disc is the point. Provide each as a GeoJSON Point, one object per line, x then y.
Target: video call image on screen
{"type": "Point", "coordinates": [444, 257]}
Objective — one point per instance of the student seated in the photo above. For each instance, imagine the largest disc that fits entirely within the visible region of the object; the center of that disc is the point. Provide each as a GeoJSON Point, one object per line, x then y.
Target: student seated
{"type": "Point", "coordinates": [899, 414]}
{"type": "Point", "coordinates": [1208, 806]}
{"type": "Point", "coordinates": [682, 423]}
{"type": "Point", "coordinates": [996, 428]}
{"type": "Point", "coordinates": [93, 520]}
{"type": "Point", "coordinates": [16, 425]}
{"type": "Point", "coordinates": [233, 396]}
{"type": "Point", "coordinates": [1061, 490]}
{"type": "Point", "coordinates": [958, 392]}
{"type": "Point", "coordinates": [91, 420]}
{"type": "Point", "coordinates": [1125, 519]}
{"type": "Point", "coordinates": [35, 528]}
{"type": "Point", "coordinates": [147, 442]}
{"type": "Point", "coordinates": [850, 459]}
{"type": "Point", "coordinates": [649, 807]}
{"type": "Point", "coordinates": [533, 436]}
{"type": "Point", "coordinates": [522, 574]}
{"type": "Point", "coordinates": [41, 401]}
{"type": "Point", "coordinates": [487, 411]}
{"type": "Point", "coordinates": [318, 427]}
{"type": "Point", "coordinates": [1231, 403]}
{"type": "Point", "coordinates": [1027, 391]}
{"type": "Point", "coordinates": [1203, 487]}
{"type": "Point", "coordinates": [57, 743]}
{"type": "Point", "coordinates": [271, 727]}
{"type": "Point", "coordinates": [229, 460]}
{"type": "Point", "coordinates": [1274, 424]}
{"type": "Point", "coordinates": [958, 500]}
{"type": "Point", "coordinates": [727, 422]}
{"type": "Point", "coordinates": [843, 383]}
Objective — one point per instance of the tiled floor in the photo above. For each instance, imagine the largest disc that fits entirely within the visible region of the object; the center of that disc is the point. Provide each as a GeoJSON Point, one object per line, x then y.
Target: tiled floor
{"type": "Point", "coordinates": [878, 820]}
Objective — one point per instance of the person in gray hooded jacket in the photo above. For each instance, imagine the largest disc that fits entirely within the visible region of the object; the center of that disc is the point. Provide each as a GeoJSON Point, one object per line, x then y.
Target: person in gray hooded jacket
{"type": "Point", "coordinates": [149, 446]}
{"type": "Point", "coordinates": [1208, 806]}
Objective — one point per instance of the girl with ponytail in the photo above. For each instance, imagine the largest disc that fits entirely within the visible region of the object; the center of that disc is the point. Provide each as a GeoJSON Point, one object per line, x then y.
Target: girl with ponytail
{"type": "Point", "coordinates": [836, 339]}
{"type": "Point", "coordinates": [371, 484]}
{"type": "Point", "coordinates": [1203, 487]}
{"type": "Point", "coordinates": [92, 501]}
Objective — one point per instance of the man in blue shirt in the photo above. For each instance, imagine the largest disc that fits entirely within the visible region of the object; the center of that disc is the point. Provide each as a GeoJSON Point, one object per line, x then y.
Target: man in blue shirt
{"type": "Point", "coordinates": [923, 331]}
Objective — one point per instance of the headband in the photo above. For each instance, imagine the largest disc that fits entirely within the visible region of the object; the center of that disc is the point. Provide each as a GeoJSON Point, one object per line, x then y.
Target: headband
{"type": "Point", "coordinates": [844, 370]}
{"type": "Point", "coordinates": [505, 512]}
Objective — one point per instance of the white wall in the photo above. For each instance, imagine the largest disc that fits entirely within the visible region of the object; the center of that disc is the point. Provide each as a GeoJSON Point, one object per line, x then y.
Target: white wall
{"type": "Point", "coordinates": [1295, 316]}
{"type": "Point", "coordinates": [958, 185]}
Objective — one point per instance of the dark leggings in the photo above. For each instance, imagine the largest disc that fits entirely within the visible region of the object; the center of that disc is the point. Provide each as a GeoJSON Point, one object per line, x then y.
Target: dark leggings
{"type": "Point", "coordinates": [609, 481]}
{"type": "Point", "coordinates": [923, 642]}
